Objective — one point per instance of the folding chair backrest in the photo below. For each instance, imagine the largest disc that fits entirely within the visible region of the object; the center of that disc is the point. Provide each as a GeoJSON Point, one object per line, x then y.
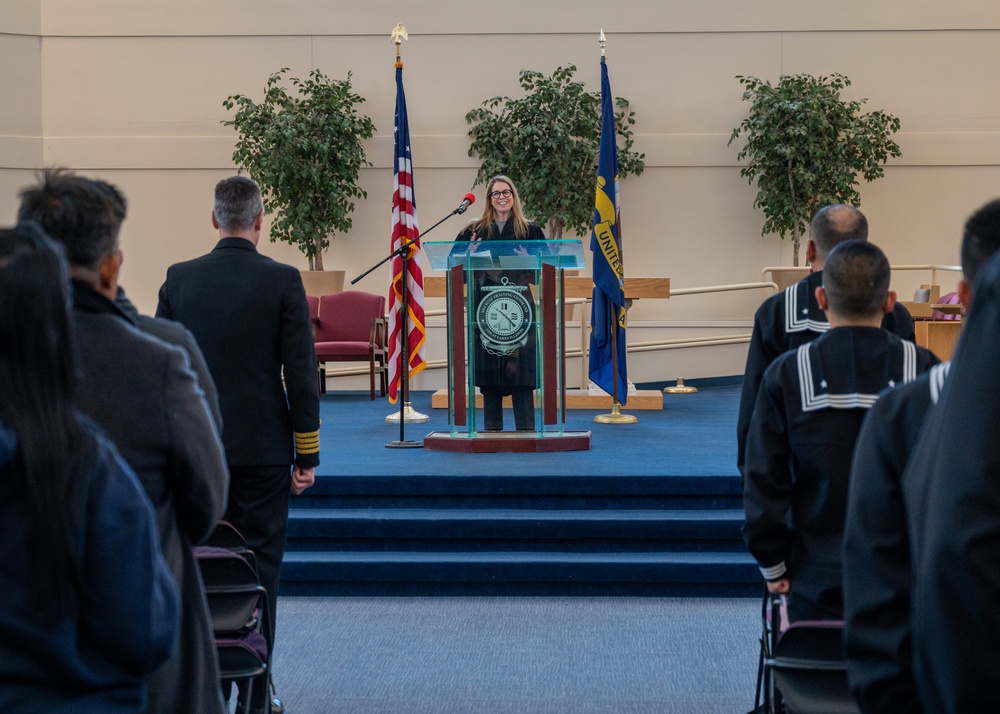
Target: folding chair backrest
{"type": "Point", "coordinates": [232, 589]}
{"type": "Point", "coordinates": [809, 670]}
{"type": "Point", "coordinates": [226, 535]}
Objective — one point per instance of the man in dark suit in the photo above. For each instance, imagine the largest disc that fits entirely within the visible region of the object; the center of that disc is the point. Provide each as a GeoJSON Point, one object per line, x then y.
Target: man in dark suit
{"type": "Point", "coordinates": [145, 396]}
{"type": "Point", "coordinates": [251, 319]}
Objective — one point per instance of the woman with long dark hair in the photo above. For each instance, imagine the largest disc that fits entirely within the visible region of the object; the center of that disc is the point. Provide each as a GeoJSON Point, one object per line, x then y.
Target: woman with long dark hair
{"type": "Point", "coordinates": [504, 366]}
{"type": "Point", "coordinates": [87, 603]}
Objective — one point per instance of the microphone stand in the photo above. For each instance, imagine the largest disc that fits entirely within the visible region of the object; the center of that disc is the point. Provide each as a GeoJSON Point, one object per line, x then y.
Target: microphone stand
{"type": "Point", "coordinates": [403, 251]}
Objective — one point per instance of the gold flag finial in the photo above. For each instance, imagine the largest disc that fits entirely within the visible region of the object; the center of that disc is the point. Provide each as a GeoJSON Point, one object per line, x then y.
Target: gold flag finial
{"type": "Point", "coordinates": [602, 41]}
{"type": "Point", "coordinates": [398, 35]}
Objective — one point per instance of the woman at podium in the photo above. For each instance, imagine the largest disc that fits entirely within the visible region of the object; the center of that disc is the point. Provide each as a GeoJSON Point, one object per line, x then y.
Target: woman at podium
{"type": "Point", "coordinates": [504, 349]}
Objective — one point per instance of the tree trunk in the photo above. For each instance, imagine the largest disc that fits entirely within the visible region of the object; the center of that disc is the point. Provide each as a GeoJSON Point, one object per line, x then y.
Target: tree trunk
{"type": "Point", "coordinates": [796, 244]}
{"type": "Point", "coordinates": [555, 229]}
{"type": "Point", "coordinates": [316, 259]}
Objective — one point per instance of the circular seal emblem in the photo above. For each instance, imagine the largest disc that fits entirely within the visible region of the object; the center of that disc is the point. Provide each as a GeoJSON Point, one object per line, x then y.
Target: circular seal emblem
{"type": "Point", "coordinates": [504, 317]}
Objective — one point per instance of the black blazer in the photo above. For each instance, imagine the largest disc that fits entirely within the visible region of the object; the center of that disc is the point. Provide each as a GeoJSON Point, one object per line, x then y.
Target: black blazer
{"type": "Point", "coordinates": [251, 319]}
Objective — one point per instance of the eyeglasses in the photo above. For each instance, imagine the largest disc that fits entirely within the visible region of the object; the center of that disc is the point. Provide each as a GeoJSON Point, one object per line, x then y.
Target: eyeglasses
{"type": "Point", "coordinates": [497, 194]}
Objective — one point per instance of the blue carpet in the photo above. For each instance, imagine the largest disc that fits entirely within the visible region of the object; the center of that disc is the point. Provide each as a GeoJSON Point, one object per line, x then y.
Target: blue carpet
{"type": "Point", "coordinates": [654, 508]}
{"type": "Point", "coordinates": [694, 435]}
{"type": "Point", "coordinates": [504, 655]}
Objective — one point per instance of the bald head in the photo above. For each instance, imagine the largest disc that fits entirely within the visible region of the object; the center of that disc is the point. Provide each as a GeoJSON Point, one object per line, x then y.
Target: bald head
{"type": "Point", "coordinates": [833, 225]}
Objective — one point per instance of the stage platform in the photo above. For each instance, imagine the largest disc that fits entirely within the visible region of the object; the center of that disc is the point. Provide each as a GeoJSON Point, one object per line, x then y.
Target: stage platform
{"type": "Point", "coordinates": [653, 508]}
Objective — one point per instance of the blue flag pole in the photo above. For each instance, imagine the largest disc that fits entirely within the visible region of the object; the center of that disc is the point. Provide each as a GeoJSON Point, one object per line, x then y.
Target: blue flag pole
{"type": "Point", "coordinates": [608, 367]}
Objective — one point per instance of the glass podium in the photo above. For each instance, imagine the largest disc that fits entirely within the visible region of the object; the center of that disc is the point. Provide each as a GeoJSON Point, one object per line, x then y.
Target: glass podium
{"type": "Point", "coordinates": [506, 336]}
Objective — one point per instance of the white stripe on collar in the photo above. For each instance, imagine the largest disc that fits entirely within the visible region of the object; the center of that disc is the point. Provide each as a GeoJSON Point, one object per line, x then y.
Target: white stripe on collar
{"type": "Point", "coordinates": [811, 401]}
{"type": "Point", "coordinates": [794, 322]}
{"type": "Point", "coordinates": [937, 376]}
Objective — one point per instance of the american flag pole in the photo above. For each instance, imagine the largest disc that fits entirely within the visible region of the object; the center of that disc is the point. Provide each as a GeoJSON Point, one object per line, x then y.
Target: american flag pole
{"type": "Point", "coordinates": [407, 283]}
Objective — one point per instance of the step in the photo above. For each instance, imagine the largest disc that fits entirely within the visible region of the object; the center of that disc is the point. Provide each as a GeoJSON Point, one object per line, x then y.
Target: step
{"type": "Point", "coordinates": [520, 524]}
{"type": "Point", "coordinates": [453, 573]}
{"type": "Point", "coordinates": [512, 491]}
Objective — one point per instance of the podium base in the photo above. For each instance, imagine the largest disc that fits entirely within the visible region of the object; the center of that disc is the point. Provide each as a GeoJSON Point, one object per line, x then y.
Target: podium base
{"type": "Point", "coordinates": [507, 442]}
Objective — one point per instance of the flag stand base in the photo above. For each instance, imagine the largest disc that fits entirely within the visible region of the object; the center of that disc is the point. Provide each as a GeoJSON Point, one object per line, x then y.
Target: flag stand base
{"type": "Point", "coordinates": [410, 416]}
{"type": "Point", "coordinates": [615, 417]}
{"type": "Point", "coordinates": [407, 444]}
{"type": "Point", "coordinates": [681, 388]}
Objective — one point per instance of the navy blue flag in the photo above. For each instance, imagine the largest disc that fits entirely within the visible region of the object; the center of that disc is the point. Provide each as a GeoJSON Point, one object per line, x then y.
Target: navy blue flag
{"type": "Point", "coordinates": [609, 274]}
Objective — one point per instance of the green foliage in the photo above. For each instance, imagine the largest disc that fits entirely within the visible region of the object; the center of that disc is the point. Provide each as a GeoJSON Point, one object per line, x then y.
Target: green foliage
{"type": "Point", "coordinates": [805, 147]}
{"type": "Point", "coordinates": [306, 152]}
{"type": "Point", "coordinates": [547, 142]}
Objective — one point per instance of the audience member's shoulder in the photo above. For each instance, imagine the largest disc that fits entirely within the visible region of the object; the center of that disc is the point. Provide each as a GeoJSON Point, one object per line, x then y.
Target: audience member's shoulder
{"type": "Point", "coordinates": [167, 330]}
{"type": "Point", "coordinates": [109, 332]}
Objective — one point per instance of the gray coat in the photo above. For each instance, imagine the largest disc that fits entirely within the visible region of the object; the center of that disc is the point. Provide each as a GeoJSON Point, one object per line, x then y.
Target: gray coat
{"type": "Point", "coordinates": [142, 392]}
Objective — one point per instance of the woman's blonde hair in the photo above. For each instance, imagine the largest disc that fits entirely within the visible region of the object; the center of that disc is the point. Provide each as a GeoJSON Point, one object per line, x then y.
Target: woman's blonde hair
{"type": "Point", "coordinates": [485, 222]}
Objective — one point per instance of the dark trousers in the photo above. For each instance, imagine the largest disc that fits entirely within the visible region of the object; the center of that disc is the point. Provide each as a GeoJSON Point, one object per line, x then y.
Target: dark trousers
{"type": "Point", "coordinates": [523, 401]}
{"type": "Point", "coordinates": [258, 507]}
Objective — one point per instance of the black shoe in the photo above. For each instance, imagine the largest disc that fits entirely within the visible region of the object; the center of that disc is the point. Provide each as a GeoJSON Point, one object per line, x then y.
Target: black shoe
{"type": "Point", "coordinates": [276, 708]}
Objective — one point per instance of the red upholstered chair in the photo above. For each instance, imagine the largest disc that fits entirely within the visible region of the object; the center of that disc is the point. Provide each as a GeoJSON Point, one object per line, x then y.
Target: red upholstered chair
{"type": "Point", "coordinates": [314, 316]}
{"type": "Point", "coordinates": [352, 328]}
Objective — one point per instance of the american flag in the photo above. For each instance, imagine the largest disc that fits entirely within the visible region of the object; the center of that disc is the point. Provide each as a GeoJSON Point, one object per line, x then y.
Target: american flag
{"type": "Point", "coordinates": [404, 228]}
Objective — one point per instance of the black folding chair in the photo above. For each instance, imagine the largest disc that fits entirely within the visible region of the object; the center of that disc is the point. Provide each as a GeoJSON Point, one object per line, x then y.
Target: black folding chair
{"type": "Point", "coordinates": [802, 668]}
{"type": "Point", "coordinates": [238, 606]}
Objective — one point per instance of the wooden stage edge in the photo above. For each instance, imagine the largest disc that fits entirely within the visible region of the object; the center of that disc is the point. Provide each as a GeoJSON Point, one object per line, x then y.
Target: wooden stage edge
{"type": "Point", "coordinates": [507, 442]}
{"type": "Point", "coordinates": [642, 400]}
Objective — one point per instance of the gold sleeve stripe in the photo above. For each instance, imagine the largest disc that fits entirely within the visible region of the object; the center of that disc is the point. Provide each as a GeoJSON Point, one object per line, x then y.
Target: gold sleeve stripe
{"type": "Point", "coordinates": [307, 443]}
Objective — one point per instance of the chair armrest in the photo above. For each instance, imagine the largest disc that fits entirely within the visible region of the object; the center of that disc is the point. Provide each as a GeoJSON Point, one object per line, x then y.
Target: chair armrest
{"type": "Point", "coordinates": [378, 335]}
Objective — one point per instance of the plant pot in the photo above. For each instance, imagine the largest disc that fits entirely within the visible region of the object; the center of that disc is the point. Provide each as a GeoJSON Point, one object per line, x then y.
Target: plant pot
{"type": "Point", "coordinates": [322, 282]}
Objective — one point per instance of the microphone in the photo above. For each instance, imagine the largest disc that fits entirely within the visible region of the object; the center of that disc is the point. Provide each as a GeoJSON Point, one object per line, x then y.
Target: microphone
{"type": "Point", "coordinates": [469, 199]}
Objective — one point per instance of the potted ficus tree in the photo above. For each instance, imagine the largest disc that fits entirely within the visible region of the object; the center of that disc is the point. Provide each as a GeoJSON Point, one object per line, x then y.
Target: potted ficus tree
{"type": "Point", "coordinates": [304, 144]}
{"type": "Point", "coordinates": [805, 147]}
{"type": "Point", "coordinates": [547, 141]}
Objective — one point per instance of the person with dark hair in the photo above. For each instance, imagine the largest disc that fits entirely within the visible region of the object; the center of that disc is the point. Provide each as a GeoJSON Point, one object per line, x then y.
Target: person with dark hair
{"type": "Point", "coordinates": [811, 403]}
{"type": "Point", "coordinates": [250, 317]}
{"type": "Point", "coordinates": [142, 392]}
{"type": "Point", "coordinates": [89, 606]}
{"type": "Point", "coordinates": [502, 368]}
{"type": "Point", "coordinates": [793, 317]}
{"type": "Point", "coordinates": [951, 495]}
{"type": "Point", "coordinates": [167, 330]}
{"type": "Point", "coordinates": [878, 635]}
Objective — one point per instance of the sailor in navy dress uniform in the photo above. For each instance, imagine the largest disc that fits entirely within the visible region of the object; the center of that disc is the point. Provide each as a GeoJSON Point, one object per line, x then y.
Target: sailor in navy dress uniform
{"type": "Point", "coordinates": [808, 414]}
{"type": "Point", "coordinates": [878, 636]}
{"type": "Point", "coordinates": [953, 482]}
{"type": "Point", "coordinates": [793, 317]}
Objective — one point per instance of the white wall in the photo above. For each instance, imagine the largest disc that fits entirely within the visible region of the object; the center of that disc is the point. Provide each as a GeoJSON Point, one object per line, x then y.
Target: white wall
{"type": "Point", "coordinates": [133, 92]}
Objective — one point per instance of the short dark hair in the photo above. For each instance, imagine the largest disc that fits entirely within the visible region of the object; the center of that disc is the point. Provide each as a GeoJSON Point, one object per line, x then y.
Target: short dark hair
{"type": "Point", "coordinates": [980, 239]}
{"type": "Point", "coordinates": [82, 214]}
{"type": "Point", "coordinates": [856, 279]}
{"type": "Point", "coordinates": [237, 203]}
{"type": "Point", "coordinates": [834, 224]}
